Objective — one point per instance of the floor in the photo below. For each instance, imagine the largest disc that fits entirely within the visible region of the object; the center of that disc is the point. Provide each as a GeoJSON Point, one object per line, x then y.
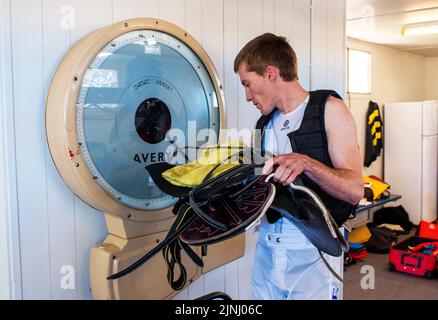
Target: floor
{"type": "Point", "coordinates": [359, 283]}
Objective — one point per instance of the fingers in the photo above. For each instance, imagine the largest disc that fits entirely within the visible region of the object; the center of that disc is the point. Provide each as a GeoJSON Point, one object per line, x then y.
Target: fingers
{"type": "Point", "coordinates": [290, 179]}
{"type": "Point", "coordinates": [289, 167]}
{"type": "Point", "coordinates": [285, 175]}
{"type": "Point", "coordinates": [279, 172]}
{"type": "Point", "coordinates": [268, 166]}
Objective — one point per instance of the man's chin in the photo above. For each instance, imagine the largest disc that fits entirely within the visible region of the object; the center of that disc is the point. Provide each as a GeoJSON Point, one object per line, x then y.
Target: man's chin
{"type": "Point", "coordinates": [265, 112]}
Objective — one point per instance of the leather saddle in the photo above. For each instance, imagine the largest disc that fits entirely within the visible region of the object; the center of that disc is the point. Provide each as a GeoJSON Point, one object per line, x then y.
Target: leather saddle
{"type": "Point", "coordinates": [231, 203]}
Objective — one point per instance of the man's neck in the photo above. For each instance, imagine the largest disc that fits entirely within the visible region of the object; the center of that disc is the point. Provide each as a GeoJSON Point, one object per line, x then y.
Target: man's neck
{"type": "Point", "coordinates": [291, 96]}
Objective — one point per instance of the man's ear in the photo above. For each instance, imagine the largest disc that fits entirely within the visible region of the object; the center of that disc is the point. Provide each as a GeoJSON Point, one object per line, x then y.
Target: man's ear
{"type": "Point", "coordinates": [271, 72]}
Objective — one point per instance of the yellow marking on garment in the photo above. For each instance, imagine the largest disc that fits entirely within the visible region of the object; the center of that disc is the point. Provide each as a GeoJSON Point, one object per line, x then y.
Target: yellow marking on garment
{"type": "Point", "coordinates": [376, 125]}
{"type": "Point", "coordinates": [372, 116]}
{"type": "Point", "coordinates": [377, 137]}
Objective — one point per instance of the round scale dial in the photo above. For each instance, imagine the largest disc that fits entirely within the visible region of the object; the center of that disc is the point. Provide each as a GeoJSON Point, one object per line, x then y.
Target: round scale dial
{"type": "Point", "coordinates": [138, 88]}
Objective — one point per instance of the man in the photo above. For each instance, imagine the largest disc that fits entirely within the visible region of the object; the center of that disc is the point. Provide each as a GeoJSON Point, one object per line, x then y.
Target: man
{"type": "Point", "coordinates": [314, 136]}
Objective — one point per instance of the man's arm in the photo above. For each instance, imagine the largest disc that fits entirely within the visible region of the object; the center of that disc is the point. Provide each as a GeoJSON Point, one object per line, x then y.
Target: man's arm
{"type": "Point", "coordinates": [344, 181]}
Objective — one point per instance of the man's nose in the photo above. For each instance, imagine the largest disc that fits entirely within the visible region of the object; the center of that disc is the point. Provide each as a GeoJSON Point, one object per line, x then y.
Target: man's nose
{"type": "Point", "coordinates": [248, 95]}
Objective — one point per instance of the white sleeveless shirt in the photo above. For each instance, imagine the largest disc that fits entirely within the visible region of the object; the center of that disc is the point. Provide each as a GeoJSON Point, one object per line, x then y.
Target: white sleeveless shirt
{"type": "Point", "coordinates": [280, 125]}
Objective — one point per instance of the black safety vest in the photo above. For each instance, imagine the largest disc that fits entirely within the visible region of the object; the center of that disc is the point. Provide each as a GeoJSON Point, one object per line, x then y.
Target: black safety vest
{"type": "Point", "coordinates": [311, 139]}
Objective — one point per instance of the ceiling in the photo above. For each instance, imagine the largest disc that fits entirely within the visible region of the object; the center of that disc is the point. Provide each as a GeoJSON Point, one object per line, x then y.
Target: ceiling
{"type": "Point", "coordinates": [381, 21]}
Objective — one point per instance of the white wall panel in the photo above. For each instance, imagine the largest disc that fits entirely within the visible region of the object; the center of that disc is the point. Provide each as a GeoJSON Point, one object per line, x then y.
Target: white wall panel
{"type": "Point", "coordinates": [301, 39]}
{"type": "Point", "coordinates": [173, 11]}
{"type": "Point", "coordinates": [320, 39]}
{"type": "Point", "coordinates": [231, 46]}
{"type": "Point", "coordinates": [215, 280]}
{"type": "Point", "coordinates": [232, 279]}
{"type": "Point", "coordinates": [128, 9]}
{"type": "Point", "coordinates": [90, 231]}
{"type": "Point", "coordinates": [250, 17]}
{"type": "Point", "coordinates": [183, 295]}
{"type": "Point", "coordinates": [213, 32]}
{"type": "Point", "coordinates": [10, 266]}
{"type": "Point", "coordinates": [292, 17]}
{"type": "Point", "coordinates": [89, 224]}
{"type": "Point", "coordinates": [90, 16]}
{"type": "Point", "coordinates": [245, 264]}
{"type": "Point", "coordinates": [56, 228]}
{"type": "Point", "coordinates": [328, 45]}
{"type": "Point", "coordinates": [337, 52]}
{"type": "Point", "coordinates": [194, 19]}
{"type": "Point", "coordinates": [269, 16]}
{"type": "Point", "coordinates": [196, 289]}
{"type": "Point", "coordinates": [284, 19]}
{"type": "Point", "coordinates": [27, 53]}
{"type": "Point", "coordinates": [57, 24]}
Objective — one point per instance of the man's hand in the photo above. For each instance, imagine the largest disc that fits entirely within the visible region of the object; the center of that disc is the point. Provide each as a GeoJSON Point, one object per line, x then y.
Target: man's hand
{"type": "Point", "coordinates": [289, 167]}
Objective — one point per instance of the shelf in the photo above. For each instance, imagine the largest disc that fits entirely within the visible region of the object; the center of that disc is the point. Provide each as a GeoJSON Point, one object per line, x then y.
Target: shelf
{"type": "Point", "coordinates": [364, 214]}
{"type": "Point", "coordinates": [391, 198]}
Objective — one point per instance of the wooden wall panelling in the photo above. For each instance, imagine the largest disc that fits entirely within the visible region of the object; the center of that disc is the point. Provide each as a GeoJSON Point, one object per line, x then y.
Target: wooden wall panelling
{"type": "Point", "coordinates": [301, 39]}
{"type": "Point", "coordinates": [231, 46]}
{"type": "Point", "coordinates": [250, 17]}
{"type": "Point", "coordinates": [269, 16]}
{"type": "Point", "coordinates": [57, 21]}
{"type": "Point", "coordinates": [328, 45]}
{"type": "Point", "coordinates": [129, 9]}
{"type": "Point", "coordinates": [90, 224]}
{"type": "Point", "coordinates": [284, 19]}
{"type": "Point", "coordinates": [196, 289]}
{"type": "Point", "coordinates": [173, 11]}
{"type": "Point", "coordinates": [10, 264]}
{"type": "Point", "coordinates": [27, 53]}
{"type": "Point", "coordinates": [319, 57]}
{"type": "Point", "coordinates": [194, 19]}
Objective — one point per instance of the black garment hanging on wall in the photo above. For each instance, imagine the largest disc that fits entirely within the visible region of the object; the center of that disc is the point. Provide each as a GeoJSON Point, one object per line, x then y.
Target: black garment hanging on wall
{"type": "Point", "coordinates": [373, 134]}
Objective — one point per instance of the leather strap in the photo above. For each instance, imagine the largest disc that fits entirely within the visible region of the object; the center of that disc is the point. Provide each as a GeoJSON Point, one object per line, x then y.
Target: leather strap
{"type": "Point", "coordinates": [183, 221]}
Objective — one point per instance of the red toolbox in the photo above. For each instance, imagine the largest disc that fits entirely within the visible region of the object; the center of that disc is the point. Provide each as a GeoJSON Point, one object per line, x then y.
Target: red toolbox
{"type": "Point", "coordinates": [416, 255]}
{"type": "Point", "coordinates": [402, 258]}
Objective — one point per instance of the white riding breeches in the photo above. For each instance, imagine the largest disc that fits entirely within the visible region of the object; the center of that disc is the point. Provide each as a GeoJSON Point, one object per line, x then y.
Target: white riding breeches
{"type": "Point", "coordinates": [287, 266]}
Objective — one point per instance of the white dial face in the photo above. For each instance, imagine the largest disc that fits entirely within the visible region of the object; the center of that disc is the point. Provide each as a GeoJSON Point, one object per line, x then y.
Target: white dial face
{"type": "Point", "coordinates": [141, 85]}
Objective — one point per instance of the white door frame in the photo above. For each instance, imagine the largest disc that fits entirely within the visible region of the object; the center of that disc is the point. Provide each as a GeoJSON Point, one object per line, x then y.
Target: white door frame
{"type": "Point", "coordinates": [10, 264]}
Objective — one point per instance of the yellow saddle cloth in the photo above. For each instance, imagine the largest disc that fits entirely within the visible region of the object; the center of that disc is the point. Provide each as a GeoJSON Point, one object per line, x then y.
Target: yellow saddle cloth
{"type": "Point", "coordinates": [191, 174]}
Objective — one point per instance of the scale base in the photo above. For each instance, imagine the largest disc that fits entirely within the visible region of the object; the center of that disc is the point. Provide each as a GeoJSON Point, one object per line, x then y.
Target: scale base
{"type": "Point", "coordinates": [149, 281]}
